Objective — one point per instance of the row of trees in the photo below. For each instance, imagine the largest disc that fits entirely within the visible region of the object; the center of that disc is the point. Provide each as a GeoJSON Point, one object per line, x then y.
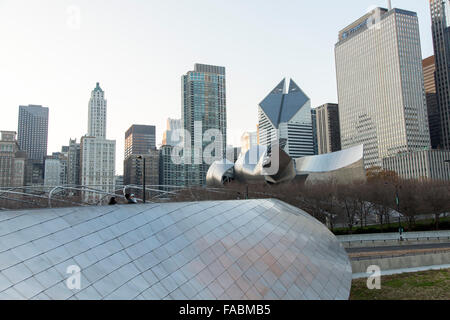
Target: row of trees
{"type": "Point", "coordinates": [379, 200]}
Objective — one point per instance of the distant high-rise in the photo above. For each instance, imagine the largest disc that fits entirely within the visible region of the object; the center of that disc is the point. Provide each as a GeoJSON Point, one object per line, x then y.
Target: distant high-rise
{"type": "Point", "coordinates": [380, 85]}
{"type": "Point", "coordinates": [203, 109]}
{"type": "Point", "coordinates": [440, 16]}
{"type": "Point", "coordinates": [134, 169]}
{"type": "Point", "coordinates": [97, 155]}
{"type": "Point", "coordinates": [287, 115]}
{"type": "Point", "coordinates": [249, 140]}
{"type": "Point", "coordinates": [434, 116]}
{"type": "Point", "coordinates": [168, 138]}
{"type": "Point", "coordinates": [55, 170]}
{"type": "Point", "coordinates": [73, 163]}
{"type": "Point", "coordinates": [171, 174]}
{"type": "Point", "coordinates": [140, 139]}
{"type": "Point", "coordinates": [328, 128]}
{"type": "Point", "coordinates": [33, 131]}
{"type": "Point", "coordinates": [12, 161]}
{"type": "Point", "coordinates": [97, 113]}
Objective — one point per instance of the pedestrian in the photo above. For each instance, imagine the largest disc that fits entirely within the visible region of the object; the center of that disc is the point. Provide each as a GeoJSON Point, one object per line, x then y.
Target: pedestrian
{"type": "Point", "coordinates": [112, 201]}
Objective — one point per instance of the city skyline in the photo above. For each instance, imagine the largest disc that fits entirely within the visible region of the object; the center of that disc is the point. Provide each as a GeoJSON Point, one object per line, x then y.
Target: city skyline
{"type": "Point", "coordinates": [133, 98]}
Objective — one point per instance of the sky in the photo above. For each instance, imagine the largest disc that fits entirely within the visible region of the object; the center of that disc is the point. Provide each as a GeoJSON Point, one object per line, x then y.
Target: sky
{"type": "Point", "coordinates": [53, 52]}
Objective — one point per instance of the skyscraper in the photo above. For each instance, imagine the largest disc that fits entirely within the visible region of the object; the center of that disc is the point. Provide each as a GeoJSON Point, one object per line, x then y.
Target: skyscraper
{"type": "Point", "coordinates": [380, 85]}
{"type": "Point", "coordinates": [140, 139]}
{"type": "Point", "coordinates": [440, 16]}
{"type": "Point", "coordinates": [33, 131]}
{"type": "Point", "coordinates": [97, 153]}
{"type": "Point", "coordinates": [33, 138]}
{"type": "Point", "coordinates": [287, 115]}
{"type": "Point", "coordinates": [203, 109]}
{"type": "Point", "coordinates": [328, 128]}
{"type": "Point", "coordinates": [434, 116]}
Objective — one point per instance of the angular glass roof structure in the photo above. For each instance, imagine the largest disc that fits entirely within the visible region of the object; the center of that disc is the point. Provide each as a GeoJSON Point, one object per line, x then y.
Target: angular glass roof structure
{"type": "Point", "coordinates": [255, 249]}
{"type": "Point", "coordinates": [280, 106]}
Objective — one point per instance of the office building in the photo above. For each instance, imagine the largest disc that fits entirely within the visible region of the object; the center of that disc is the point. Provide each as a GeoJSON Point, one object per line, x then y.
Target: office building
{"type": "Point", "coordinates": [203, 110]}
{"type": "Point", "coordinates": [328, 128]}
{"type": "Point", "coordinates": [97, 154]}
{"type": "Point", "coordinates": [33, 131]}
{"type": "Point", "coordinates": [134, 170]}
{"type": "Point", "coordinates": [55, 170]}
{"type": "Point", "coordinates": [420, 165]}
{"type": "Point", "coordinates": [12, 161]}
{"type": "Point", "coordinates": [171, 174]}
{"type": "Point", "coordinates": [139, 139]}
{"type": "Point", "coordinates": [434, 117]}
{"type": "Point", "coordinates": [33, 139]}
{"type": "Point", "coordinates": [73, 163]}
{"type": "Point", "coordinates": [169, 139]}
{"type": "Point", "coordinates": [440, 16]}
{"type": "Point", "coordinates": [286, 115]}
{"type": "Point", "coordinates": [380, 85]}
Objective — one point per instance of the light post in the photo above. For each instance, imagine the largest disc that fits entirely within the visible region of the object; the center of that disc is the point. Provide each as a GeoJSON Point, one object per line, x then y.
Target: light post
{"type": "Point", "coordinates": [397, 201]}
{"type": "Point", "coordinates": [143, 178]}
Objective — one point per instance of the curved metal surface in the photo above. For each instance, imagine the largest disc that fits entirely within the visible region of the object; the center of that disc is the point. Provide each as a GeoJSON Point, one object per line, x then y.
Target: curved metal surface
{"type": "Point", "coordinates": [258, 164]}
{"type": "Point", "coordinates": [331, 161]}
{"type": "Point", "coordinates": [255, 249]}
{"type": "Point", "coordinates": [220, 172]}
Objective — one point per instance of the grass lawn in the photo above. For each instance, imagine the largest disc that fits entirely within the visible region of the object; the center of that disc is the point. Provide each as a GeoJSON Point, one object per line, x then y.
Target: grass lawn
{"type": "Point", "coordinates": [428, 285]}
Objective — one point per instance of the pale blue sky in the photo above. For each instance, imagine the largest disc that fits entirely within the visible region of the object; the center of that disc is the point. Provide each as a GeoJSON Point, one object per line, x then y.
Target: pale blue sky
{"type": "Point", "coordinates": [138, 50]}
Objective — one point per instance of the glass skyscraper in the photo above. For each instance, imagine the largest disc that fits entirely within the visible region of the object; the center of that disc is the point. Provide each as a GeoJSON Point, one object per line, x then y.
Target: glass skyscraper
{"type": "Point", "coordinates": [203, 109]}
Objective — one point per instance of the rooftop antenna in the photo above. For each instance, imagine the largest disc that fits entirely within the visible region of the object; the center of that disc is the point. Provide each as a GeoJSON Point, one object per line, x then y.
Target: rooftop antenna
{"type": "Point", "coordinates": [389, 5]}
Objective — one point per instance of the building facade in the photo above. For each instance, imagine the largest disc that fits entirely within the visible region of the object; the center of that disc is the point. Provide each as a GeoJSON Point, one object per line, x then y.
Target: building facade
{"type": "Point", "coordinates": [287, 115]}
{"type": "Point", "coordinates": [12, 161]}
{"type": "Point", "coordinates": [171, 174]}
{"type": "Point", "coordinates": [55, 170]}
{"type": "Point", "coordinates": [434, 117]}
{"type": "Point", "coordinates": [420, 165]}
{"type": "Point", "coordinates": [328, 128]}
{"type": "Point", "coordinates": [140, 139]}
{"type": "Point", "coordinates": [73, 163]}
{"type": "Point", "coordinates": [203, 109]}
{"type": "Point", "coordinates": [33, 139]}
{"type": "Point", "coordinates": [440, 16]}
{"type": "Point", "coordinates": [134, 169]}
{"type": "Point", "coordinates": [172, 126]}
{"type": "Point", "coordinates": [97, 154]}
{"type": "Point", "coordinates": [380, 82]}
{"type": "Point", "coordinates": [33, 131]}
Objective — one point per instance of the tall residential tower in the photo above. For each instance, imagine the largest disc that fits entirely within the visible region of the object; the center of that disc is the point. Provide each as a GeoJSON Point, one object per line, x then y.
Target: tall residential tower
{"type": "Point", "coordinates": [204, 108]}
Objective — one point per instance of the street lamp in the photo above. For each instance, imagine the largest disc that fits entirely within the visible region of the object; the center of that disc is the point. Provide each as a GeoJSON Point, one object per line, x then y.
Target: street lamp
{"type": "Point", "coordinates": [143, 178]}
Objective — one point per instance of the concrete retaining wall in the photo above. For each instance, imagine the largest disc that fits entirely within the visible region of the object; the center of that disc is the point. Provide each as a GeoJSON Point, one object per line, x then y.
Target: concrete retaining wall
{"type": "Point", "coordinates": [393, 263]}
